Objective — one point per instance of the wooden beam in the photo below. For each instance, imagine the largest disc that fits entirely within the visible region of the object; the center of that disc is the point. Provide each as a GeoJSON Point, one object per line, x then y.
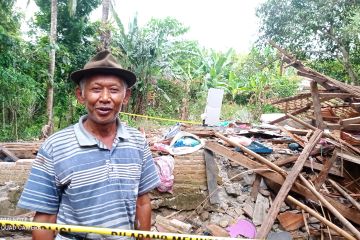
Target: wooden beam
{"type": "Point", "coordinates": [345, 194]}
{"type": "Point", "coordinates": [341, 95]}
{"type": "Point", "coordinates": [212, 173]}
{"type": "Point", "coordinates": [287, 185]}
{"type": "Point", "coordinates": [294, 113]}
{"type": "Point", "coordinates": [329, 135]}
{"type": "Point", "coordinates": [277, 178]}
{"type": "Point", "coordinates": [348, 157]}
{"type": "Point", "coordinates": [321, 218]}
{"type": "Point", "coordinates": [348, 121]}
{"type": "Point", "coordinates": [287, 99]}
{"type": "Point", "coordinates": [318, 182]}
{"type": "Point", "coordinates": [336, 126]}
{"type": "Point", "coordinates": [317, 105]}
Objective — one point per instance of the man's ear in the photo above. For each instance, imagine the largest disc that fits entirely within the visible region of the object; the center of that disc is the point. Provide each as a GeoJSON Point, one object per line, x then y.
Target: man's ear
{"type": "Point", "coordinates": [79, 95]}
{"type": "Point", "coordinates": [127, 96]}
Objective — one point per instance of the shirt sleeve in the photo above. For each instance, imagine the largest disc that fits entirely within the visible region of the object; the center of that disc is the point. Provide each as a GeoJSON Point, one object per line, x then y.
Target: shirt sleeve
{"type": "Point", "coordinates": [41, 193]}
{"type": "Point", "coordinates": [149, 178]}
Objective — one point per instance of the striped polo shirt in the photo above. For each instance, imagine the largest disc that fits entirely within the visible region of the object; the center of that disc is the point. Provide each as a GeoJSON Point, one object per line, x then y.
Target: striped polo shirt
{"type": "Point", "coordinates": [78, 178]}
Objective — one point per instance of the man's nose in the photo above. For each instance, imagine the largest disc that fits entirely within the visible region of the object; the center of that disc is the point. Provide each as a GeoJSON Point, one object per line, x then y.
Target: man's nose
{"type": "Point", "coordinates": [105, 95]}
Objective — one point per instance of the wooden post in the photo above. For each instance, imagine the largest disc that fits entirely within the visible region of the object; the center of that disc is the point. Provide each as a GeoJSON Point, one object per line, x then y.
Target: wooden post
{"type": "Point", "coordinates": [317, 105]}
{"type": "Point", "coordinates": [287, 185]}
{"type": "Point", "coordinates": [325, 171]}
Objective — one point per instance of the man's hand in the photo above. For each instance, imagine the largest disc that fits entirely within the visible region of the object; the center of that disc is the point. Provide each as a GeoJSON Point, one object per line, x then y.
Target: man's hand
{"type": "Point", "coordinates": [43, 234]}
{"type": "Point", "coordinates": [143, 213]}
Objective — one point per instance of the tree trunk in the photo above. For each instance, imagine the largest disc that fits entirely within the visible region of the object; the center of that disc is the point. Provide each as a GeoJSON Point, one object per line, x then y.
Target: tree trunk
{"type": "Point", "coordinates": [105, 33]}
{"type": "Point", "coordinates": [345, 57]}
{"type": "Point", "coordinates": [185, 102]}
{"type": "Point", "coordinates": [348, 66]}
{"type": "Point", "coordinates": [49, 127]}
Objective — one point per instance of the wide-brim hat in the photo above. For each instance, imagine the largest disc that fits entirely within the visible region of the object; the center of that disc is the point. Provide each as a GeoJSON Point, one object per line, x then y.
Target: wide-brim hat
{"type": "Point", "coordinates": [104, 63]}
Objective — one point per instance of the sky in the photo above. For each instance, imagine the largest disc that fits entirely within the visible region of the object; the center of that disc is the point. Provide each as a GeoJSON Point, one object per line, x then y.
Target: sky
{"type": "Point", "coordinates": [217, 24]}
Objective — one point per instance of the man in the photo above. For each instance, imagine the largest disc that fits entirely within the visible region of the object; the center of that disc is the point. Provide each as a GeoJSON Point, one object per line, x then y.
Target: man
{"type": "Point", "coordinates": [97, 172]}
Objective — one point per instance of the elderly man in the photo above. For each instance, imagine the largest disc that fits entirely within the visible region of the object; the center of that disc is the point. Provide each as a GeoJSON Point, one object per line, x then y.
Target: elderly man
{"type": "Point", "coordinates": [97, 172]}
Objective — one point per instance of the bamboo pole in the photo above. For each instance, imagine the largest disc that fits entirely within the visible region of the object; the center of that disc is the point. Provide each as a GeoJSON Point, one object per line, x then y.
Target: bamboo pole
{"type": "Point", "coordinates": [255, 155]}
{"type": "Point", "coordinates": [320, 218]}
{"type": "Point", "coordinates": [287, 185]}
{"type": "Point", "coordinates": [333, 210]}
{"type": "Point", "coordinates": [345, 194]}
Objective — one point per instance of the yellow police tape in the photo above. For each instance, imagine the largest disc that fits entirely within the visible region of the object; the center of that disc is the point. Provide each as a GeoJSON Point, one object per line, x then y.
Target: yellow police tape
{"type": "Point", "coordinates": [159, 118]}
{"type": "Point", "coordinates": [9, 225]}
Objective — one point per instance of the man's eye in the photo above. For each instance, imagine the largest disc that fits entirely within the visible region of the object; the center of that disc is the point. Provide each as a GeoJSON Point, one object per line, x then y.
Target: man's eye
{"type": "Point", "coordinates": [96, 89]}
{"type": "Point", "coordinates": [114, 90]}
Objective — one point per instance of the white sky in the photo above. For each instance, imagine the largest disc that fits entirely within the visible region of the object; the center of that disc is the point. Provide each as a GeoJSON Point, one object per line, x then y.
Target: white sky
{"type": "Point", "coordinates": [217, 24]}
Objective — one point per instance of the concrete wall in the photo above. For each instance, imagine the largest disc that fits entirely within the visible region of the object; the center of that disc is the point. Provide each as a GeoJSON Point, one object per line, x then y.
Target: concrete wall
{"type": "Point", "coordinates": [13, 176]}
{"type": "Point", "coordinates": [16, 172]}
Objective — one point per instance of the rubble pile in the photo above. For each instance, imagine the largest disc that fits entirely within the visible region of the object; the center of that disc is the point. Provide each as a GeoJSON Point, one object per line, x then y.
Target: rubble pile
{"type": "Point", "coordinates": [295, 176]}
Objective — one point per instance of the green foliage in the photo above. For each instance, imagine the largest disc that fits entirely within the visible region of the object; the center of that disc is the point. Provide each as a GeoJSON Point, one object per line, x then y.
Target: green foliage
{"type": "Point", "coordinates": [173, 74]}
{"type": "Point", "coordinates": [317, 29]}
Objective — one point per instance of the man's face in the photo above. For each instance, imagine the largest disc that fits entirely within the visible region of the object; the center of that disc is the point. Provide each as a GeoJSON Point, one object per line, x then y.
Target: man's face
{"type": "Point", "coordinates": [103, 96]}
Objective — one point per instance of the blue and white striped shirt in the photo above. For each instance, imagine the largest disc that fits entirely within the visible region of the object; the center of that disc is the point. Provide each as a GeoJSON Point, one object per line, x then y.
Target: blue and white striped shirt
{"type": "Point", "coordinates": [76, 177]}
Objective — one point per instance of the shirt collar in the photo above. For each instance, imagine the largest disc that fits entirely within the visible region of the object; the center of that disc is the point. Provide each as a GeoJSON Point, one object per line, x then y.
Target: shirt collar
{"type": "Point", "coordinates": [87, 139]}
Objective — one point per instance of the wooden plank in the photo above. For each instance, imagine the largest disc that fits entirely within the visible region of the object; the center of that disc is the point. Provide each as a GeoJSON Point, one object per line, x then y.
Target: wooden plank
{"type": "Point", "coordinates": [212, 173]}
{"type": "Point", "coordinates": [277, 178]}
{"type": "Point", "coordinates": [294, 113]}
{"type": "Point", "coordinates": [349, 157]}
{"type": "Point", "coordinates": [317, 105]}
{"type": "Point", "coordinates": [287, 185]}
{"type": "Point", "coordinates": [318, 166]}
{"type": "Point", "coordinates": [318, 182]}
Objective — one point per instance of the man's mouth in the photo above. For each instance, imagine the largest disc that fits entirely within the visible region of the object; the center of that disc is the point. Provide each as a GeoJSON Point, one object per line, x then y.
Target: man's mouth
{"type": "Point", "coordinates": [103, 110]}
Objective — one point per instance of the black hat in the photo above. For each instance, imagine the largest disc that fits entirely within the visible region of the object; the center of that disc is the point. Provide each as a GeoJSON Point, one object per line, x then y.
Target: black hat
{"type": "Point", "coordinates": [105, 63]}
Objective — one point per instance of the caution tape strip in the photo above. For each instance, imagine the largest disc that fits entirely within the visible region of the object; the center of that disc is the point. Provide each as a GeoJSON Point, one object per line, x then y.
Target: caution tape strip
{"type": "Point", "coordinates": [159, 118]}
{"type": "Point", "coordinates": [9, 225]}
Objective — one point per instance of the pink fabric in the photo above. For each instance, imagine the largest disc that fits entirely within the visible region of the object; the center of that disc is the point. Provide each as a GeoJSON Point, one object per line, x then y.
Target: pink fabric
{"type": "Point", "coordinates": [165, 166]}
{"type": "Point", "coordinates": [244, 228]}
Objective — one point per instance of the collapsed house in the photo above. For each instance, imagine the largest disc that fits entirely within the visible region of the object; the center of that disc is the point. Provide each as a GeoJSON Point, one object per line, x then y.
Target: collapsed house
{"type": "Point", "coordinates": [296, 177]}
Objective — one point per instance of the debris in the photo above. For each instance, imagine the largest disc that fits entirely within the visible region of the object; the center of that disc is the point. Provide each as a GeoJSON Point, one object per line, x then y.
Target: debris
{"type": "Point", "coordinates": [172, 225]}
{"type": "Point", "coordinates": [291, 221]}
{"type": "Point", "coordinates": [260, 209]}
{"type": "Point", "coordinates": [279, 236]}
{"type": "Point", "coordinates": [217, 231]}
